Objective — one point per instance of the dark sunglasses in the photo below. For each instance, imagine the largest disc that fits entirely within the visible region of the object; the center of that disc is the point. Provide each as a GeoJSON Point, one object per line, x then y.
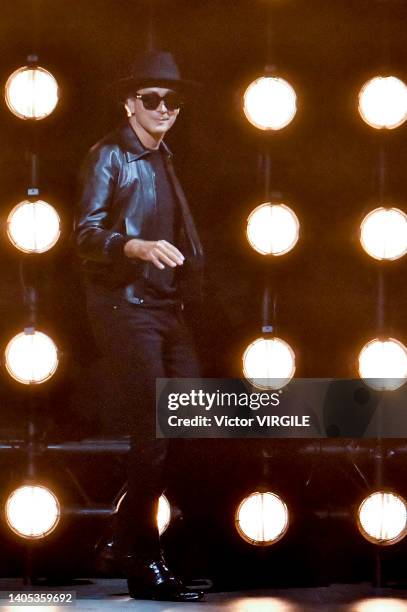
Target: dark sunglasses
{"type": "Point", "coordinates": [151, 101]}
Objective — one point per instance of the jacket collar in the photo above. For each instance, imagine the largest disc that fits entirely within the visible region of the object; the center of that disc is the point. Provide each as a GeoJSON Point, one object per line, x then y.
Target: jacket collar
{"type": "Point", "coordinates": [133, 147]}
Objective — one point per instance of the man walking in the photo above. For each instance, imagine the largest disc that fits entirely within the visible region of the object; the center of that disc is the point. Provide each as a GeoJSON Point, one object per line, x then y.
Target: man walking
{"type": "Point", "coordinates": [141, 254]}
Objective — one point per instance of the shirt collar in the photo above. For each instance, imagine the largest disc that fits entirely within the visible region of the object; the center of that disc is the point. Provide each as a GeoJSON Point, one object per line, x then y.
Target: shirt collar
{"type": "Point", "coordinates": [134, 147]}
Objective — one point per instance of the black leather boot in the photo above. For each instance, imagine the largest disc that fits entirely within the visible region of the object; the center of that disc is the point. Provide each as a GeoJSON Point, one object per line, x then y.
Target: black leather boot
{"type": "Point", "coordinates": [152, 579]}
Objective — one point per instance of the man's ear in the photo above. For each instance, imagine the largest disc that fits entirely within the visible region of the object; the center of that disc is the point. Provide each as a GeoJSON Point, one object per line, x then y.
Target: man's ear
{"type": "Point", "coordinates": [129, 112]}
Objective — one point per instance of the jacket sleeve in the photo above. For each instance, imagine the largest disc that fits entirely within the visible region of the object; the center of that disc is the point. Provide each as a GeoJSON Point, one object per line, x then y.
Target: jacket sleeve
{"type": "Point", "coordinates": [94, 240]}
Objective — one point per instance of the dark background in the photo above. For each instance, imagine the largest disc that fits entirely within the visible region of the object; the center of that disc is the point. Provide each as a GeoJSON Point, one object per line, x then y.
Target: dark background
{"type": "Point", "coordinates": [325, 165]}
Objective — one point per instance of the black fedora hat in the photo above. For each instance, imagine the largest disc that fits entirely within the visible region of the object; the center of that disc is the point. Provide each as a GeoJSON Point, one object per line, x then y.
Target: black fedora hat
{"type": "Point", "coordinates": [154, 68]}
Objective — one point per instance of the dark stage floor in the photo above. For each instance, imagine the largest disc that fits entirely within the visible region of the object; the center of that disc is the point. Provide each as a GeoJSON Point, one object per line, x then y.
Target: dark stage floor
{"type": "Point", "coordinates": [94, 594]}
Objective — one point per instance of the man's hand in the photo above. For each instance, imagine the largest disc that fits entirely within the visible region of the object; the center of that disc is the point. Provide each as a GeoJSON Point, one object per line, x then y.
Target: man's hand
{"type": "Point", "coordinates": [160, 252]}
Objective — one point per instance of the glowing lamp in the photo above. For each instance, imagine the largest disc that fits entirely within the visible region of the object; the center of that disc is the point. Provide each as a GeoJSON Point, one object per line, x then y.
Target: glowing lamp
{"type": "Point", "coordinates": [383, 102]}
{"type": "Point", "coordinates": [33, 227]}
{"type": "Point", "coordinates": [383, 233]}
{"type": "Point", "coordinates": [262, 519]}
{"type": "Point", "coordinates": [31, 92]}
{"type": "Point", "coordinates": [382, 518]}
{"type": "Point", "coordinates": [383, 364]}
{"type": "Point", "coordinates": [32, 511]}
{"type": "Point", "coordinates": [31, 357]}
{"type": "Point", "coordinates": [272, 229]}
{"type": "Point", "coordinates": [269, 363]}
{"type": "Point", "coordinates": [163, 513]}
{"type": "Point", "coordinates": [269, 103]}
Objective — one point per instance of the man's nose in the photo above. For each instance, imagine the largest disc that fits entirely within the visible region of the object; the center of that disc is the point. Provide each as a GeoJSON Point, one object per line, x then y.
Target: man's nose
{"type": "Point", "coordinates": [162, 107]}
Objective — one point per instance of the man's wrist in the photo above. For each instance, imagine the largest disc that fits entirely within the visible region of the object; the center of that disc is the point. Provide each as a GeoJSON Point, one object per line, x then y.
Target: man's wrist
{"type": "Point", "coordinates": [114, 246]}
{"type": "Point", "coordinates": [126, 249]}
{"type": "Point", "coordinates": [133, 248]}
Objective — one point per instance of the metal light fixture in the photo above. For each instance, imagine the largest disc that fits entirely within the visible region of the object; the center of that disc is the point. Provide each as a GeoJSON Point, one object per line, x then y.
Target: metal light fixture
{"type": "Point", "coordinates": [382, 518]}
{"type": "Point", "coordinates": [383, 102]}
{"type": "Point", "coordinates": [269, 363]}
{"type": "Point", "coordinates": [383, 364]}
{"type": "Point", "coordinates": [383, 233]}
{"type": "Point", "coordinates": [163, 513]}
{"type": "Point", "coordinates": [31, 92]}
{"type": "Point", "coordinates": [31, 357]}
{"type": "Point", "coordinates": [272, 229]}
{"type": "Point", "coordinates": [270, 103]}
{"type": "Point", "coordinates": [32, 511]}
{"type": "Point", "coordinates": [33, 227]}
{"type": "Point", "coordinates": [262, 518]}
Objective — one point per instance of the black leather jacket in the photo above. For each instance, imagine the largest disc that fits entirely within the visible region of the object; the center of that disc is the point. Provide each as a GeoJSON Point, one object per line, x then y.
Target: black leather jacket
{"type": "Point", "coordinates": [117, 203]}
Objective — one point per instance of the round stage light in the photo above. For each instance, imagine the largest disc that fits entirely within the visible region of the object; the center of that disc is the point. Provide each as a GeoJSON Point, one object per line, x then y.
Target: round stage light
{"type": "Point", "coordinates": [31, 357]}
{"type": "Point", "coordinates": [383, 102]}
{"type": "Point", "coordinates": [33, 227]}
{"type": "Point", "coordinates": [383, 233]}
{"type": "Point", "coordinates": [382, 518]}
{"type": "Point", "coordinates": [262, 518]}
{"type": "Point", "coordinates": [269, 103]}
{"type": "Point", "coordinates": [383, 364]}
{"type": "Point", "coordinates": [32, 511]}
{"type": "Point", "coordinates": [272, 229]}
{"type": "Point", "coordinates": [269, 363]}
{"type": "Point", "coordinates": [31, 93]}
{"type": "Point", "coordinates": [163, 514]}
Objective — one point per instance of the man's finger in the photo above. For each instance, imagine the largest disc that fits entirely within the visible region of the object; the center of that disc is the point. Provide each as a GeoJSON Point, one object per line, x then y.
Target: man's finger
{"type": "Point", "coordinates": [170, 249]}
{"type": "Point", "coordinates": [168, 261]}
{"type": "Point", "coordinates": [161, 253]}
{"type": "Point", "coordinates": [157, 262]}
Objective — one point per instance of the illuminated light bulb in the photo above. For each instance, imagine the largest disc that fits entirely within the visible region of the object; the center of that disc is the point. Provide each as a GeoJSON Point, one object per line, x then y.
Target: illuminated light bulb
{"type": "Point", "coordinates": [163, 513]}
{"type": "Point", "coordinates": [269, 103]}
{"type": "Point", "coordinates": [32, 511]}
{"type": "Point", "coordinates": [262, 518]}
{"type": "Point", "coordinates": [269, 363]}
{"type": "Point", "coordinates": [33, 227]}
{"type": "Point", "coordinates": [383, 102]}
{"type": "Point", "coordinates": [383, 364]}
{"type": "Point", "coordinates": [382, 518]}
{"type": "Point", "coordinates": [383, 233]}
{"type": "Point", "coordinates": [31, 357]}
{"type": "Point", "coordinates": [31, 92]}
{"type": "Point", "coordinates": [272, 229]}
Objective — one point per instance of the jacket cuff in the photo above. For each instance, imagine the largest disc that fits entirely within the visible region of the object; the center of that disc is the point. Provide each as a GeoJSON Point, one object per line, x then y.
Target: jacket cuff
{"type": "Point", "coordinates": [114, 246]}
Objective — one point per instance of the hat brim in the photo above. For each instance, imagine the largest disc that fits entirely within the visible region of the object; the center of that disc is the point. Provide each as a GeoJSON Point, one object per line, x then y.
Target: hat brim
{"type": "Point", "coordinates": [124, 87]}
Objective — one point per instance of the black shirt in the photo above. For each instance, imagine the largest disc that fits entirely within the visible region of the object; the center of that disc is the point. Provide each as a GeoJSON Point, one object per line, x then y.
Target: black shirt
{"type": "Point", "coordinates": [162, 283]}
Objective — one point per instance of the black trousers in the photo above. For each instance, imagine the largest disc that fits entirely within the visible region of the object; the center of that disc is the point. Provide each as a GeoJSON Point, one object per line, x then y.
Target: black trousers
{"type": "Point", "coordinates": [139, 344]}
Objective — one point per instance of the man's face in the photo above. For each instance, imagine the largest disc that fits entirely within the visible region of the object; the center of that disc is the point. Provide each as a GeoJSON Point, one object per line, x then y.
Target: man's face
{"type": "Point", "coordinates": [157, 121]}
